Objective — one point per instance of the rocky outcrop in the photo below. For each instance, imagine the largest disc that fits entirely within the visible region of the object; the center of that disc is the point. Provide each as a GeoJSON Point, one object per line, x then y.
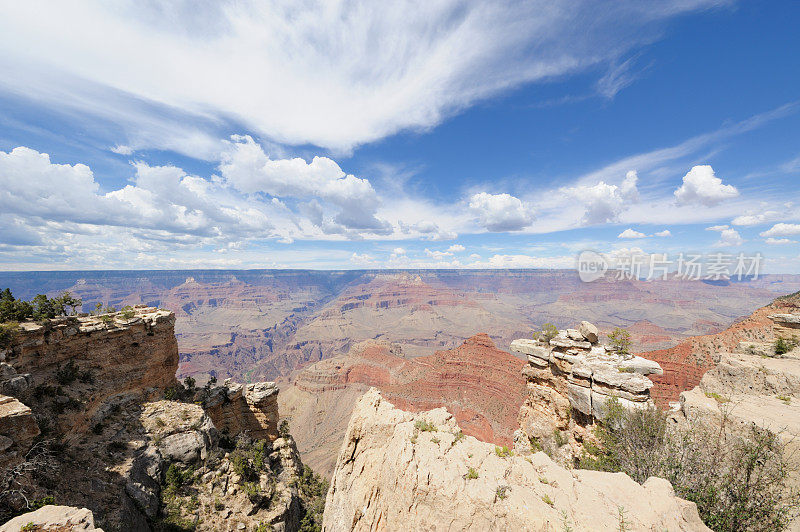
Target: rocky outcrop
{"type": "Point", "coordinates": [570, 379]}
{"type": "Point", "coordinates": [251, 408]}
{"type": "Point", "coordinates": [53, 518]}
{"type": "Point", "coordinates": [747, 388]}
{"type": "Point", "coordinates": [787, 325]}
{"type": "Point", "coordinates": [140, 462]}
{"type": "Point", "coordinates": [102, 357]}
{"type": "Point", "coordinates": [399, 470]}
{"type": "Point", "coordinates": [18, 428]}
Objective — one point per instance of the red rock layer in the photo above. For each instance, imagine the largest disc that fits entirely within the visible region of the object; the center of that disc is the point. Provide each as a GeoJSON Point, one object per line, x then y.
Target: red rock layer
{"type": "Point", "coordinates": [686, 363]}
{"type": "Point", "coordinates": [479, 384]}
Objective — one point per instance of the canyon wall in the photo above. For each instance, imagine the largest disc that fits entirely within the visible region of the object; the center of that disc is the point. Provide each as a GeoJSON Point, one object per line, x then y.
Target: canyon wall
{"type": "Point", "coordinates": [481, 385]}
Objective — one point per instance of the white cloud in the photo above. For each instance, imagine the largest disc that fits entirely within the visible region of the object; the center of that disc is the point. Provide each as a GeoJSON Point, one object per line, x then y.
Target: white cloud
{"type": "Point", "coordinates": [122, 149]}
{"type": "Point", "coordinates": [399, 251]}
{"type": "Point", "coordinates": [782, 229]}
{"type": "Point", "coordinates": [362, 258]}
{"type": "Point", "coordinates": [701, 186]}
{"type": "Point", "coordinates": [500, 212]}
{"type": "Point", "coordinates": [728, 237]}
{"type": "Point", "coordinates": [247, 168]}
{"type": "Point", "coordinates": [630, 233]}
{"type": "Point", "coordinates": [525, 261]}
{"type": "Point", "coordinates": [456, 248]}
{"type": "Point", "coordinates": [756, 219]}
{"type": "Point", "coordinates": [437, 255]}
{"type": "Point", "coordinates": [779, 241]}
{"type": "Point", "coordinates": [604, 202]}
{"type": "Point", "coordinates": [331, 74]}
{"type": "Point", "coordinates": [664, 233]}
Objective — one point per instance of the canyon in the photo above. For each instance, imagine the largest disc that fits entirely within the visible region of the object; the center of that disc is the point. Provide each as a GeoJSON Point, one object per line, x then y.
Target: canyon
{"type": "Point", "coordinates": [265, 324]}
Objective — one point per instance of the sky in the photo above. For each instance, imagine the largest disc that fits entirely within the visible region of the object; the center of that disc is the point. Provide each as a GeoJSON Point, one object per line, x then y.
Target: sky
{"type": "Point", "coordinates": [410, 134]}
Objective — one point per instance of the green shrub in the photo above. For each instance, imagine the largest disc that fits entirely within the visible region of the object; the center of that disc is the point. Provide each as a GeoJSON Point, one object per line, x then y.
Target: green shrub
{"type": "Point", "coordinates": [783, 346]}
{"type": "Point", "coordinates": [502, 492]}
{"type": "Point", "coordinates": [424, 426]}
{"type": "Point", "coordinates": [559, 438]}
{"type": "Point", "coordinates": [620, 341]}
{"type": "Point", "coordinates": [736, 478]}
{"type": "Point", "coordinates": [127, 313]}
{"type": "Point", "coordinates": [8, 331]}
{"type": "Point", "coordinates": [502, 452]}
{"type": "Point", "coordinates": [283, 429]}
{"type": "Point", "coordinates": [472, 473]}
{"type": "Point", "coordinates": [547, 333]}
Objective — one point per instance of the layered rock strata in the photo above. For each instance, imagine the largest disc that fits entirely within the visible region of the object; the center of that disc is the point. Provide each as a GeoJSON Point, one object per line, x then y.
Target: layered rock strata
{"type": "Point", "coordinates": [252, 408]}
{"type": "Point", "coordinates": [570, 379]}
{"type": "Point", "coordinates": [402, 471]}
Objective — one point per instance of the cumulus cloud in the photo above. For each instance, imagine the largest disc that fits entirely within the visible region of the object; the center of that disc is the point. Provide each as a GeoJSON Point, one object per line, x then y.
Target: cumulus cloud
{"type": "Point", "coordinates": [331, 74]}
{"type": "Point", "coordinates": [437, 255]}
{"type": "Point", "coordinates": [700, 186]}
{"type": "Point", "coordinates": [782, 229]}
{"type": "Point", "coordinates": [604, 202]}
{"type": "Point", "coordinates": [664, 233]}
{"type": "Point", "coordinates": [500, 212]}
{"type": "Point", "coordinates": [630, 233]}
{"type": "Point", "coordinates": [456, 248]}
{"type": "Point", "coordinates": [399, 251]}
{"type": "Point", "coordinates": [248, 169]}
{"type": "Point", "coordinates": [728, 237]}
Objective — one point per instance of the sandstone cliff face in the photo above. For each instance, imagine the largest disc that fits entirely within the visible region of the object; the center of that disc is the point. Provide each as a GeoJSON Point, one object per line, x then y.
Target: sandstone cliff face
{"type": "Point", "coordinates": [403, 471]}
{"type": "Point", "coordinates": [18, 428]}
{"type": "Point", "coordinates": [123, 358]}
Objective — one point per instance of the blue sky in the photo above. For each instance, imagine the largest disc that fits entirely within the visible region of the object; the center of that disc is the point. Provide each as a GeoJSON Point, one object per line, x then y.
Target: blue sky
{"type": "Point", "coordinates": [435, 134]}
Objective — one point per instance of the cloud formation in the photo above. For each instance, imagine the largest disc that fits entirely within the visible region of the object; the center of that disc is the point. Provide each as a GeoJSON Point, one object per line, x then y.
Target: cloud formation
{"type": "Point", "coordinates": [700, 186]}
{"type": "Point", "coordinates": [350, 72]}
{"type": "Point", "coordinates": [500, 212]}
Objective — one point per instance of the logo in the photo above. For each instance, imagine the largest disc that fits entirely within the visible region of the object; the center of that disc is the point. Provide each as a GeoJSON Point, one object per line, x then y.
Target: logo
{"type": "Point", "coordinates": [591, 266]}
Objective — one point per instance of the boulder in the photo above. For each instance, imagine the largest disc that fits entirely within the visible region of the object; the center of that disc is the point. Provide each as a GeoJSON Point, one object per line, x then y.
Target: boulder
{"type": "Point", "coordinates": [51, 517]}
{"type": "Point", "coordinates": [588, 331]}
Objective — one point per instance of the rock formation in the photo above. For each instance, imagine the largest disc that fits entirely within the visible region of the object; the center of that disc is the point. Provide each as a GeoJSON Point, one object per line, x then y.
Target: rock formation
{"type": "Point", "coordinates": [570, 379]}
{"type": "Point", "coordinates": [18, 428]}
{"type": "Point", "coordinates": [252, 408]}
{"type": "Point", "coordinates": [399, 470]}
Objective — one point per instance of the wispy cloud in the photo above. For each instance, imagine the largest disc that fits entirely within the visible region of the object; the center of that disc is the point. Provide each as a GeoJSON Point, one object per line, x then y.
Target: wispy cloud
{"type": "Point", "coordinates": [349, 72]}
